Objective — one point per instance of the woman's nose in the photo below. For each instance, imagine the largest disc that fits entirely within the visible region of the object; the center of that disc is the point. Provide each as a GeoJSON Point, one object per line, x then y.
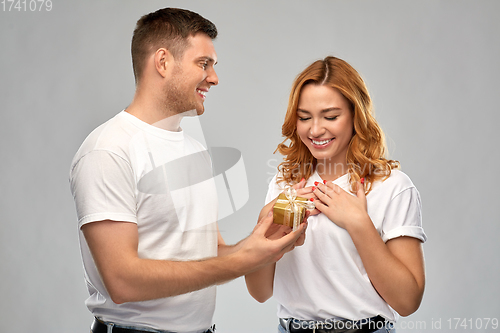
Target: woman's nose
{"type": "Point", "coordinates": [316, 129]}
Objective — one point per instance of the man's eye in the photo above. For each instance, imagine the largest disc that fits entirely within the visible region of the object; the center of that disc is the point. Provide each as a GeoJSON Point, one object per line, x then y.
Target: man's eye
{"type": "Point", "coordinates": [204, 65]}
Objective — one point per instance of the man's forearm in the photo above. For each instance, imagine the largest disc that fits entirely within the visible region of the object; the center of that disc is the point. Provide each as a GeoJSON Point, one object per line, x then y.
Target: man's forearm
{"type": "Point", "coordinates": [224, 250]}
{"type": "Point", "coordinates": [129, 278]}
{"type": "Point", "coordinates": [145, 279]}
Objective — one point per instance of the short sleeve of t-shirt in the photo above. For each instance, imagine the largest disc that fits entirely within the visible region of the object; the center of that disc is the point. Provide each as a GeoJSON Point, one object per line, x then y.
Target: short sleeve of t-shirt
{"type": "Point", "coordinates": [274, 190]}
{"type": "Point", "coordinates": [102, 184]}
{"type": "Point", "coordinates": [403, 216]}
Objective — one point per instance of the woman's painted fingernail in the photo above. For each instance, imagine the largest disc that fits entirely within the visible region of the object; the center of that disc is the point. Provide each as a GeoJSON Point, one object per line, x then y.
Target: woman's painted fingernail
{"type": "Point", "coordinates": [312, 199]}
{"type": "Point", "coordinates": [316, 183]}
{"type": "Point", "coordinates": [314, 188]}
{"type": "Point", "coordinates": [324, 182]}
{"type": "Point", "coordinates": [302, 179]}
{"type": "Point", "coordinates": [362, 180]}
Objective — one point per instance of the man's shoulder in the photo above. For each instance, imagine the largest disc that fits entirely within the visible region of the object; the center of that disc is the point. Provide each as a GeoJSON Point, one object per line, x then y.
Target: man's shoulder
{"type": "Point", "coordinates": [113, 136]}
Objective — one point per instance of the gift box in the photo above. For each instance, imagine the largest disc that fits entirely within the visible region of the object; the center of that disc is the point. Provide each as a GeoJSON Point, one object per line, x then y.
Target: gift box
{"type": "Point", "coordinates": [290, 209]}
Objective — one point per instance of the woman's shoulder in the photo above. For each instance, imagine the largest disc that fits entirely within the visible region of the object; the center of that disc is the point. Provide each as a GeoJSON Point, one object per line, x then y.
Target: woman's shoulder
{"type": "Point", "coordinates": [275, 188]}
{"type": "Point", "coordinates": [277, 182]}
{"type": "Point", "coordinates": [399, 177]}
{"type": "Point", "coordinates": [397, 182]}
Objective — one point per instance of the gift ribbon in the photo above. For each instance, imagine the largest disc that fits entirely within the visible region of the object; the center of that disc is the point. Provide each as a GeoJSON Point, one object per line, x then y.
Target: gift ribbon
{"type": "Point", "coordinates": [291, 196]}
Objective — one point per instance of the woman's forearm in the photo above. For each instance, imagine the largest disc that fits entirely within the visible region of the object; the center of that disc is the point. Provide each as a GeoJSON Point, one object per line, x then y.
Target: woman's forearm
{"type": "Point", "coordinates": [395, 268]}
{"type": "Point", "coordinates": [260, 283]}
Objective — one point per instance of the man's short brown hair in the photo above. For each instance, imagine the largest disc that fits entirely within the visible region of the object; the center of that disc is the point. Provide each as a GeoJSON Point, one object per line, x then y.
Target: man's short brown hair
{"type": "Point", "coordinates": [168, 28]}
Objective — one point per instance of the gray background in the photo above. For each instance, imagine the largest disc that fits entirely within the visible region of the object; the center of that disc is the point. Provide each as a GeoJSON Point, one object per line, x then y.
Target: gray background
{"type": "Point", "coordinates": [432, 69]}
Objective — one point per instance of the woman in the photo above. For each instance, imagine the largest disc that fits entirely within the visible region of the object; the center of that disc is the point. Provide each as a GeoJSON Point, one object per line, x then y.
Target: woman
{"type": "Point", "coordinates": [362, 260]}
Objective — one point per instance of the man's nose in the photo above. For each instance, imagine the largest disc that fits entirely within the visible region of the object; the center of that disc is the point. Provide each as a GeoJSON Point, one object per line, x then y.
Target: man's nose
{"type": "Point", "coordinates": [212, 77]}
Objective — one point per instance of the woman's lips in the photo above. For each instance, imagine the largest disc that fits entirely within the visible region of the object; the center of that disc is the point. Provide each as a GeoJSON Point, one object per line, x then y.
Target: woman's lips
{"type": "Point", "coordinates": [321, 143]}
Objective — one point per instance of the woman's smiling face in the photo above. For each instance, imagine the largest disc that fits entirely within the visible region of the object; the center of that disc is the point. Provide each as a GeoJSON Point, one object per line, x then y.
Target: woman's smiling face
{"type": "Point", "coordinates": [324, 123]}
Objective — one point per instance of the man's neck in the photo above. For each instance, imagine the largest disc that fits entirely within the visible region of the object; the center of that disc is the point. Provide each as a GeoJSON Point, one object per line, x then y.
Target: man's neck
{"type": "Point", "coordinates": [156, 115]}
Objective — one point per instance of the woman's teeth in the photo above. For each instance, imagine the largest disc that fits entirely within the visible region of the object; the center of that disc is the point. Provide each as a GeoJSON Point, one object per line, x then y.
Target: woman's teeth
{"type": "Point", "coordinates": [322, 142]}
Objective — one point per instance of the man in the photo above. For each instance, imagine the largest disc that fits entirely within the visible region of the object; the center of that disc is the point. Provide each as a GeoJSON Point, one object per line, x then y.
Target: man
{"type": "Point", "coordinates": [151, 248]}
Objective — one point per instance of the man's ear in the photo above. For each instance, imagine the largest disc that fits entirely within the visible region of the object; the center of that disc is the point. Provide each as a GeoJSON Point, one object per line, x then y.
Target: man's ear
{"type": "Point", "coordinates": [162, 59]}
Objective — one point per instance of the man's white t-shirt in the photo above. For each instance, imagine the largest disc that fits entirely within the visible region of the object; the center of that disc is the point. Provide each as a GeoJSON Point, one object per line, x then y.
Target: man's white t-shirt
{"type": "Point", "coordinates": [325, 278]}
{"type": "Point", "coordinates": [127, 170]}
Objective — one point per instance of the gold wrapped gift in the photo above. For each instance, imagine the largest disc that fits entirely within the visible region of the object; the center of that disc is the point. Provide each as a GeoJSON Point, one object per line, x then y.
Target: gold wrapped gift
{"type": "Point", "coordinates": [290, 209]}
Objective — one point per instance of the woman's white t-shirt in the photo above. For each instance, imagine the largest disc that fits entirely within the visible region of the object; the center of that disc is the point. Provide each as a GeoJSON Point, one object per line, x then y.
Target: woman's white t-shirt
{"type": "Point", "coordinates": [325, 278]}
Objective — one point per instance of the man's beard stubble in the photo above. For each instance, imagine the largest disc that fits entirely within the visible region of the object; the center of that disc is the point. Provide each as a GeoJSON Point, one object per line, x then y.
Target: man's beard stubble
{"type": "Point", "coordinates": [177, 99]}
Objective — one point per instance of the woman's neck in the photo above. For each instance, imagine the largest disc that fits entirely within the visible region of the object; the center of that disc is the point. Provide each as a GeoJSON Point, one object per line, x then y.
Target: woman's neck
{"type": "Point", "coordinates": [329, 170]}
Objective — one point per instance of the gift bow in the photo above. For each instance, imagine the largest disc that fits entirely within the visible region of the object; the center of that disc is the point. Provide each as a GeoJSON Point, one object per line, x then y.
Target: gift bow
{"type": "Point", "coordinates": [291, 195]}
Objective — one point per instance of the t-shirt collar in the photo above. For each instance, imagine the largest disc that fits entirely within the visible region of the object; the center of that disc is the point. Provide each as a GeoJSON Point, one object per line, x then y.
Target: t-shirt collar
{"type": "Point", "coordinates": [156, 131]}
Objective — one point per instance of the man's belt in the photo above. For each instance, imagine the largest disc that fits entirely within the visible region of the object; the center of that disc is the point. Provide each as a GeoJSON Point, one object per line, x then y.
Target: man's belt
{"type": "Point", "coordinates": [98, 326]}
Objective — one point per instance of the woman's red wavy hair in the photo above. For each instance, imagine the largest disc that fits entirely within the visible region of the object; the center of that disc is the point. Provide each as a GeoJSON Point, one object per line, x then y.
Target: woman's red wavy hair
{"type": "Point", "coordinates": [366, 153]}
